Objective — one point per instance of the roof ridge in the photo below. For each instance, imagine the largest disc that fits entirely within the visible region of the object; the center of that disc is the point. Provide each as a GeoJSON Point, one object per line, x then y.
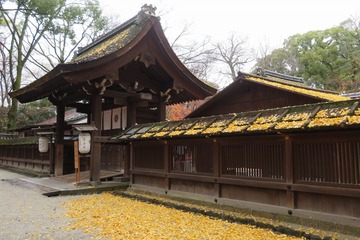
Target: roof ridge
{"type": "Point", "coordinates": [330, 96]}
{"type": "Point", "coordinates": [297, 84]}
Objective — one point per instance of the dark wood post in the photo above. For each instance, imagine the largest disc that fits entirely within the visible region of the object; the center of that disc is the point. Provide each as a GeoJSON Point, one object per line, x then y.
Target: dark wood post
{"type": "Point", "coordinates": [289, 173]}
{"type": "Point", "coordinates": [162, 111]}
{"type": "Point", "coordinates": [95, 152]}
{"type": "Point", "coordinates": [132, 163]}
{"type": "Point", "coordinates": [216, 166]}
{"type": "Point", "coordinates": [166, 165]}
{"type": "Point", "coordinates": [51, 155]}
{"type": "Point", "coordinates": [126, 157]}
{"type": "Point", "coordinates": [59, 140]}
{"type": "Point", "coordinates": [131, 114]}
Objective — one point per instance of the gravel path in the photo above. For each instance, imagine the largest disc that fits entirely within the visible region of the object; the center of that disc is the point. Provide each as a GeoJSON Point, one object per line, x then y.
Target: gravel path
{"type": "Point", "coordinates": [26, 214]}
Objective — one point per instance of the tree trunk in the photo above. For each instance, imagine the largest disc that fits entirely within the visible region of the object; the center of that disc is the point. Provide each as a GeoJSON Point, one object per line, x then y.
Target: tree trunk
{"type": "Point", "coordinates": [12, 115]}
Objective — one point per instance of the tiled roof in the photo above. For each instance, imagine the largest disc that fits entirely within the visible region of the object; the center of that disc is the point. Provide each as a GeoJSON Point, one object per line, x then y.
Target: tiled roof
{"type": "Point", "coordinates": [70, 116]}
{"type": "Point", "coordinates": [329, 115]}
{"type": "Point", "coordinates": [297, 88]}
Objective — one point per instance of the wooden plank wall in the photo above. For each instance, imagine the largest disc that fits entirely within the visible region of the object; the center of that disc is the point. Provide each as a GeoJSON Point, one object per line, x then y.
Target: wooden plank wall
{"type": "Point", "coordinates": [25, 156]}
{"type": "Point", "coordinates": [314, 171]}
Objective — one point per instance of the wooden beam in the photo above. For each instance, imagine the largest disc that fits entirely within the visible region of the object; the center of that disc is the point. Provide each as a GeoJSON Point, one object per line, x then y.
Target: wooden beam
{"type": "Point", "coordinates": [74, 97]}
{"type": "Point", "coordinates": [121, 101]}
{"type": "Point", "coordinates": [117, 94]}
{"type": "Point", "coordinates": [140, 97]}
{"type": "Point", "coordinates": [59, 140]}
{"type": "Point", "coordinates": [146, 115]}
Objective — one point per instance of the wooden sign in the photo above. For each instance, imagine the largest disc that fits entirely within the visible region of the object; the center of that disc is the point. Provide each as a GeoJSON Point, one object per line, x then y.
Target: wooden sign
{"type": "Point", "coordinates": [77, 161]}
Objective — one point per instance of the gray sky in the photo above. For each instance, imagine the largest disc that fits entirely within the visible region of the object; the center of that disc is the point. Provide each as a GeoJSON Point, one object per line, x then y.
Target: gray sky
{"type": "Point", "coordinates": [255, 19]}
{"type": "Point", "coordinates": [260, 21]}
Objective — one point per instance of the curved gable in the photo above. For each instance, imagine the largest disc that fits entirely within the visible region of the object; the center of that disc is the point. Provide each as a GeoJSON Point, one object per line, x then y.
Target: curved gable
{"type": "Point", "coordinates": [140, 40]}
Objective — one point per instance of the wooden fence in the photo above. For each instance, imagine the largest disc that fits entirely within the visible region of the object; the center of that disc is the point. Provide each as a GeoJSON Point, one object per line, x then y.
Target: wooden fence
{"type": "Point", "coordinates": [26, 156]}
{"type": "Point", "coordinates": [317, 172]}
{"type": "Point", "coordinates": [24, 153]}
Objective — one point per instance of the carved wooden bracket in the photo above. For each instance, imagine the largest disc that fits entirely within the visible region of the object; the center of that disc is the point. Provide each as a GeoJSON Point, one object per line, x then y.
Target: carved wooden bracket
{"type": "Point", "coordinates": [147, 58]}
{"type": "Point", "coordinates": [166, 95]}
{"type": "Point", "coordinates": [97, 88]}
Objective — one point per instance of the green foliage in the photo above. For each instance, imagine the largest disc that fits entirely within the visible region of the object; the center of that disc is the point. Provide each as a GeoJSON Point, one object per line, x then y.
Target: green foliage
{"type": "Point", "coordinates": [44, 8]}
{"type": "Point", "coordinates": [42, 32]}
{"type": "Point", "coordinates": [327, 59]}
{"type": "Point", "coordinates": [35, 112]}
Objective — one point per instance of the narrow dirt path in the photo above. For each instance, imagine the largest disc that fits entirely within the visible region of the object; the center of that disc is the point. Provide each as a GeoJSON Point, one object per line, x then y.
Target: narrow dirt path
{"type": "Point", "coordinates": [27, 214]}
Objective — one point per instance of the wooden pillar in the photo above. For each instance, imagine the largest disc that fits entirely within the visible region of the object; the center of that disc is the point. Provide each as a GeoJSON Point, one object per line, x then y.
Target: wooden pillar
{"type": "Point", "coordinates": [126, 158]}
{"type": "Point", "coordinates": [216, 167]}
{"type": "Point", "coordinates": [167, 165]}
{"type": "Point", "coordinates": [162, 111]}
{"type": "Point", "coordinates": [131, 114]}
{"type": "Point", "coordinates": [132, 159]}
{"type": "Point", "coordinates": [289, 173]}
{"type": "Point", "coordinates": [51, 155]}
{"type": "Point", "coordinates": [59, 141]}
{"type": "Point", "coordinates": [95, 156]}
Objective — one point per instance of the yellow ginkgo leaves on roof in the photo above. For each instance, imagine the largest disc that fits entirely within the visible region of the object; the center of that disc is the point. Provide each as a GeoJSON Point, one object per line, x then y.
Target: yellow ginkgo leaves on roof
{"type": "Point", "coordinates": [304, 117]}
{"type": "Point", "coordinates": [306, 91]}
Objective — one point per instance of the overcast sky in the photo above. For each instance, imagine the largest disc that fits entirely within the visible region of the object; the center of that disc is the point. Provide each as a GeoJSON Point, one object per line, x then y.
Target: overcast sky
{"type": "Point", "coordinates": [260, 21]}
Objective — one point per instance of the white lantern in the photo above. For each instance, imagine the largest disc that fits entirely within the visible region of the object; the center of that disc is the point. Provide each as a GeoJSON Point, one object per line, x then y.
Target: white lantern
{"type": "Point", "coordinates": [84, 142]}
{"type": "Point", "coordinates": [43, 144]}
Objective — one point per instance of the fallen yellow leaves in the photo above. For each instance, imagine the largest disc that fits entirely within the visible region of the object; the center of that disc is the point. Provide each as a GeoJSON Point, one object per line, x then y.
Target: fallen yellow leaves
{"type": "Point", "coordinates": [161, 134]}
{"type": "Point", "coordinates": [267, 119]}
{"type": "Point", "coordinates": [114, 217]}
{"type": "Point", "coordinates": [176, 132]}
{"type": "Point", "coordinates": [212, 130]}
{"type": "Point", "coordinates": [333, 112]}
{"type": "Point", "coordinates": [147, 135]}
{"type": "Point", "coordinates": [296, 116]}
{"type": "Point", "coordinates": [193, 131]}
{"type": "Point", "coordinates": [354, 120]}
{"type": "Point", "coordinates": [290, 124]}
{"type": "Point", "coordinates": [259, 127]}
{"type": "Point", "coordinates": [234, 128]}
{"type": "Point", "coordinates": [322, 122]}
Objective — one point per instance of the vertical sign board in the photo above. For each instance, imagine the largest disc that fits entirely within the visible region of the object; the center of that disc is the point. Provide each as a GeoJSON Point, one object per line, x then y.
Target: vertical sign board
{"type": "Point", "coordinates": [116, 118]}
{"type": "Point", "coordinates": [124, 117]}
{"type": "Point", "coordinates": [77, 161]}
{"type": "Point", "coordinates": [107, 120]}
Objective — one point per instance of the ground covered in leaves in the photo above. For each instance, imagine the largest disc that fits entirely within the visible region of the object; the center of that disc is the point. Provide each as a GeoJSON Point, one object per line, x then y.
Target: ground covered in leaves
{"type": "Point", "coordinates": [114, 217]}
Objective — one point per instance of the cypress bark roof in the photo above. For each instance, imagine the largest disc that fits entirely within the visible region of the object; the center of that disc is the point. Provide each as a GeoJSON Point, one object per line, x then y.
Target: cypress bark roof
{"type": "Point", "coordinates": [140, 39]}
{"type": "Point", "coordinates": [285, 85]}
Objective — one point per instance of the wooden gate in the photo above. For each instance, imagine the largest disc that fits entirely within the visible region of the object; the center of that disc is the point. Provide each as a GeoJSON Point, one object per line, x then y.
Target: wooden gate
{"type": "Point", "coordinates": [113, 157]}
